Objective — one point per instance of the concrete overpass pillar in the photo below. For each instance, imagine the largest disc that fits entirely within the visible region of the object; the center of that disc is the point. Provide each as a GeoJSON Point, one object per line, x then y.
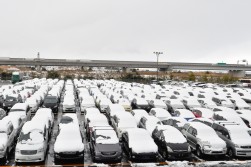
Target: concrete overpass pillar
{"type": "Point", "coordinates": [237, 73]}
{"type": "Point", "coordinates": [125, 69]}
{"type": "Point", "coordinates": [38, 67]}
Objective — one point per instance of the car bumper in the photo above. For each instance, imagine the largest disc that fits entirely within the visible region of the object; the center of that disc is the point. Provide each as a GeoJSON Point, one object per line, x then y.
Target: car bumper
{"type": "Point", "coordinates": [107, 156]}
{"type": "Point", "coordinates": [179, 155]}
{"type": "Point", "coordinates": [29, 158]}
{"type": "Point", "coordinates": [145, 156]}
{"type": "Point", "coordinates": [69, 156]}
{"type": "Point", "coordinates": [214, 151]}
{"type": "Point", "coordinates": [240, 152]}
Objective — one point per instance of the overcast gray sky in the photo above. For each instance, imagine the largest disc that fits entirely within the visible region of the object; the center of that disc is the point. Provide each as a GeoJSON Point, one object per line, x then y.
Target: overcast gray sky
{"type": "Point", "coordinates": [185, 30]}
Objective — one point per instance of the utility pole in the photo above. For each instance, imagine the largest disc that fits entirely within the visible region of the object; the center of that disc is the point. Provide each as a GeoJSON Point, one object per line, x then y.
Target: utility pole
{"type": "Point", "coordinates": [157, 54]}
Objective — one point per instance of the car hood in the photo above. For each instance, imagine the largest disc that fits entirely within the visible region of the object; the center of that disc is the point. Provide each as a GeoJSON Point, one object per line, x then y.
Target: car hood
{"type": "Point", "coordinates": [215, 142]}
{"type": "Point", "coordinates": [21, 146]}
{"type": "Point", "coordinates": [68, 146]}
{"type": "Point", "coordinates": [108, 147]}
{"type": "Point", "coordinates": [140, 147]}
{"type": "Point", "coordinates": [242, 142]}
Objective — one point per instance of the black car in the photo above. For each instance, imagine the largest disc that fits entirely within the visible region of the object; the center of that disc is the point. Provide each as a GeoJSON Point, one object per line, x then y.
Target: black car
{"type": "Point", "coordinates": [171, 143]}
{"type": "Point", "coordinates": [11, 100]}
{"type": "Point", "coordinates": [51, 102]}
{"type": "Point", "coordinates": [140, 103]}
{"type": "Point", "coordinates": [104, 144]}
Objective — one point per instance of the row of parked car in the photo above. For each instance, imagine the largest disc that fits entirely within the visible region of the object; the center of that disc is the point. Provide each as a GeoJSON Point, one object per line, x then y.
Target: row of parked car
{"type": "Point", "coordinates": [143, 121]}
{"type": "Point", "coordinates": [26, 133]}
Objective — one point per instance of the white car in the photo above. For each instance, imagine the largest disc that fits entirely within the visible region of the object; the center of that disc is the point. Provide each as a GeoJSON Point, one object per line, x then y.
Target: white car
{"type": "Point", "coordinates": [204, 139]}
{"type": "Point", "coordinates": [160, 113]}
{"type": "Point", "coordinates": [32, 142]}
{"type": "Point", "coordinates": [69, 104]}
{"type": "Point", "coordinates": [87, 103]}
{"type": "Point", "coordinates": [69, 143]}
{"type": "Point", "coordinates": [138, 144]}
{"type": "Point", "coordinates": [138, 114]}
{"type": "Point", "coordinates": [7, 138]}
{"type": "Point", "coordinates": [21, 109]}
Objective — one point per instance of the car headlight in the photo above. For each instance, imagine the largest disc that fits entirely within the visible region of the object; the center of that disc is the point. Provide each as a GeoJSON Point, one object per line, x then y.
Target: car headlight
{"type": "Point", "coordinates": [40, 150]}
{"type": "Point", "coordinates": [17, 150]}
{"type": "Point", "coordinates": [169, 149]}
{"type": "Point", "coordinates": [237, 146]}
{"type": "Point", "coordinates": [207, 147]}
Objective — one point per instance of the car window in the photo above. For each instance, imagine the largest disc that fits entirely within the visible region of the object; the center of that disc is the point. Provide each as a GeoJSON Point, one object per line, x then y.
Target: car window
{"type": "Point", "coordinates": [190, 130]}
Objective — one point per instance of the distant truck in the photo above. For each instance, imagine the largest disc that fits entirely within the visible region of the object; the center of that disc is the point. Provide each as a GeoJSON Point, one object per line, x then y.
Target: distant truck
{"type": "Point", "coordinates": [16, 77]}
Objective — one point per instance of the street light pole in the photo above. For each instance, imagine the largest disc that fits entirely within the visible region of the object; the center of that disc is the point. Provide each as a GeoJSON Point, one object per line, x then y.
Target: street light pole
{"type": "Point", "coordinates": [157, 54]}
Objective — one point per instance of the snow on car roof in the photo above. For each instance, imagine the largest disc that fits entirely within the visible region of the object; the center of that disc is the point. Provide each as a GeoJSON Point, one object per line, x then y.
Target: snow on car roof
{"type": "Point", "coordinates": [19, 106]}
{"type": "Point", "coordinates": [14, 118]}
{"type": "Point", "coordinates": [185, 113]}
{"type": "Point", "coordinates": [32, 125]}
{"type": "Point", "coordinates": [173, 135]}
{"type": "Point", "coordinates": [69, 139]}
{"type": "Point", "coordinates": [160, 112]}
{"type": "Point", "coordinates": [106, 136]}
{"type": "Point", "coordinates": [3, 125]}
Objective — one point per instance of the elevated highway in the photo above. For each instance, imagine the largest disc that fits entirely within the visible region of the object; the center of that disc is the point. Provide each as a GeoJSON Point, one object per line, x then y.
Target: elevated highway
{"type": "Point", "coordinates": [234, 68]}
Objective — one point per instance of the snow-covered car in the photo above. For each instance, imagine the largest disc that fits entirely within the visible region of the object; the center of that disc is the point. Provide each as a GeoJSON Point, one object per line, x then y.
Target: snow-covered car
{"type": "Point", "coordinates": [122, 121]}
{"type": "Point", "coordinates": [21, 109]}
{"type": "Point", "coordinates": [87, 103]}
{"type": "Point", "coordinates": [138, 114]}
{"type": "Point", "coordinates": [32, 142]}
{"type": "Point", "coordinates": [177, 122]}
{"type": "Point", "coordinates": [149, 123]}
{"type": "Point", "coordinates": [104, 144]}
{"type": "Point", "coordinates": [171, 142]}
{"type": "Point", "coordinates": [125, 103]}
{"type": "Point", "coordinates": [69, 143]}
{"type": "Point", "coordinates": [68, 118]}
{"type": "Point", "coordinates": [173, 104]}
{"type": "Point", "coordinates": [202, 112]}
{"type": "Point", "coordinates": [7, 138]}
{"type": "Point", "coordinates": [157, 103]}
{"type": "Point", "coordinates": [11, 100]}
{"type": "Point", "coordinates": [236, 137]}
{"type": "Point", "coordinates": [103, 104]}
{"type": "Point", "coordinates": [140, 103]}
{"type": "Point", "coordinates": [207, 103]}
{"type": "Point", "coordinates": [32, 103]}
{"type": "Point", "coordinates": [245, 116]}
{"type": "Point", "coordinates": [69, 104]}
{"type": "Point", "coordinates": [160, 113]}
{"type": "Point", "coordinates": [191, 103]}
{"type": "Point", "coordinates": [90, 112]}
{"type": "Point", "coordinates": [134, 142]}
{"type": "Point", "coordinates": [223, 101]}
{"type": "Point", "coordinates": [204, 139]}
{"type": "Point", "coordinates": [184, 113]}
{"type": "Point", "coordinates": [230, 117]}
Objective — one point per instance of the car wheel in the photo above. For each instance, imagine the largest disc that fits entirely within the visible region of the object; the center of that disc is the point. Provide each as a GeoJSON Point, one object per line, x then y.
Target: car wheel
{"type": "Point", "coordinates": [198, 151]}
{"type": "Point", "coordinates": [6, 155]}
{"type": "Point", "coordinates": [165, 154]}
{"type": "Point", "coordinates": [230, 153]}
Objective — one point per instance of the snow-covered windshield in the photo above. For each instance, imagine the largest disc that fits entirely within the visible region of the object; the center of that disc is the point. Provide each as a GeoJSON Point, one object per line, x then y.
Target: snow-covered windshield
{"type": "Point", "coordinates": [176, 136]}
{"type": "Point", "coordinates": [33, 137]}
{"type": "Point", "coordinates": [142, 102]}
{"type": "Point", "coordinates": [106, 137]}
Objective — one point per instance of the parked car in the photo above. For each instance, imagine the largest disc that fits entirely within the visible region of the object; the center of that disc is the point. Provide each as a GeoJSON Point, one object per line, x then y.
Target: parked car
{"type": "Point", "coordinates": [51, 102]}
{"type": "Point", "coordinates": [203, 139]}
{"type": "Point", "coordinates": [104, 144]}
{"type": "Point", "coordinates": [149, 123]}
{"type": "Point", "coordinates": [134, 142]}
{"type": "Point", "coordinates": [32, 142]}
{"type": "Point", "coordinates": [7, 138]}
{"type": "Point", "coordinates": [171, 142]}
{"type": "Point", "coordinates": [160, 113]}
{"type": "Point", "coordinates": [69, 104]}
{"type": "Point", "coordinates": [237, 138]}
{"type": "Point", "coordinates": [87, 103]}
{"type": "Point", "coordinates": [122, 121]}
{"type": "Point", "coordinates": [191, 103]}
{"type": "Point", "coordinates": [11, 100]}
{"type": "Point", "coordinates": [21, 109]}
{"type": "Point", "coordinates": [69, 143]}
{"type": "Point", "coordinates": [223, 101]}
{"type": "Point", "coordinates": [140, 103]}
{"type": "Point", "coordinates": [138, 114]}
{"type": "Point", "coordinates": [207, 103]}
{"type": "Point", "coordinates": [230, 117]}
{"type": "Point", "coordinates": [177, 122]}
{"type": "Point", "coordinates": [157, 103]}
{"type": "Point", "coordinates": [184, 113]}
{"type": "Point", "coordinates": [202, 112]}
{"type": "Point", "coordinates": [173, 104]}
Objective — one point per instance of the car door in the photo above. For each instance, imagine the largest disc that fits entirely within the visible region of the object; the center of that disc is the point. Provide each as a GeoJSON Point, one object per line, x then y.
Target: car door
{"type": "Point", "coordinates": [125, 142]}
{"type": "Point", "coordinates": [190, 137]}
